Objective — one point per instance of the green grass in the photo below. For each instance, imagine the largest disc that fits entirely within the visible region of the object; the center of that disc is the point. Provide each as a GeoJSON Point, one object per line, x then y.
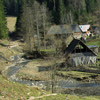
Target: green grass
{"type": "Point", "coordinates": [76, 74]}
{"type": "Point", "coordinates": [93, 42]}
{"type": "Point", "coordinates": [47, 50]}
{"type": "Point", "coordinates": [16, 91]}
{"type": "Point", "coordinates": [5, 42]}
{"type": "Point", "coordinates": [70, 97]}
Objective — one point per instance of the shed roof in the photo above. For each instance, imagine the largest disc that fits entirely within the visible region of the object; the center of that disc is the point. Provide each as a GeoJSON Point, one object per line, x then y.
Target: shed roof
{"type": "Point", "coordinates": [60, 29]}
{"type": "Point", "coordinates": [84, 28]}
{"type": "Point", "coordinates": [92, 46]}
{"type": "Point", "coordinates": [74, 43]}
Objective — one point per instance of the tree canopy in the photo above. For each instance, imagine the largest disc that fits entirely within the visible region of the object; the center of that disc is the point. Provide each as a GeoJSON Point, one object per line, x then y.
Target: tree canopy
{"type": "Point", "coordinates": [3, 27]}
{"type": "Point", "coordinates": [70, 11]}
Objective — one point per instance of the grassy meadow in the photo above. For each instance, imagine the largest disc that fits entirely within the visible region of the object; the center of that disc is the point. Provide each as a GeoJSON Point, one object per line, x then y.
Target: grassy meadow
{"type": "Point", "coordinates": [94, 42]}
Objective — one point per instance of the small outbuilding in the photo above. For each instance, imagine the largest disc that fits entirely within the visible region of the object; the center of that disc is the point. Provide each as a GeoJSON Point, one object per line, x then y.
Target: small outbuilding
{"type": "Point", "coordinates": [95, 30]}
{"type": "Point", "coordinates": [79, 54]}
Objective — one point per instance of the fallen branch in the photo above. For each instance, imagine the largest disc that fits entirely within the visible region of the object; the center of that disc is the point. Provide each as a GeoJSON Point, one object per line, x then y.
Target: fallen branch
{"type": "Point", "coordinates": [33, 98]}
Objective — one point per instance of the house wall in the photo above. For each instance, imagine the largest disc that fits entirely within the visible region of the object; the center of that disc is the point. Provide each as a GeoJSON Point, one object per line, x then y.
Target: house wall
{"type": "Point", "coordinates": [88, 33]}
{"type": "Point", "coordinates": [77, 35]}
{"type": "Point", "coordinates": [88, 60]}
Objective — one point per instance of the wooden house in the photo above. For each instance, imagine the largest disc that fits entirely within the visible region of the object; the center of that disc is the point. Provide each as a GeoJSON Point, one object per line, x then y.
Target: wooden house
{"type": "Point", "coordinates": [86, 30]}
{"type": "Point", "coordinates": [77, 31]}
{"type": "Point", "coordinates": [95, 30]}
{"type": "Point", "coordinates": [60, 31]}
{"type": "Point", "coordinates": [79, 54]}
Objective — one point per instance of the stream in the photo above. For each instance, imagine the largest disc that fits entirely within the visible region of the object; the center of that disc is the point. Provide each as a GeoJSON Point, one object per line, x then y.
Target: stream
{"type": "Point", "coordinates": [19, 63]}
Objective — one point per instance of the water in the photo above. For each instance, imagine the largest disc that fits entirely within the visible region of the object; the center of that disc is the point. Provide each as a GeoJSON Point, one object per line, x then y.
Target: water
{"type": "Point", "coordinates": [61, 83]}
{"type": "Point", "coordinates": [13, 69]}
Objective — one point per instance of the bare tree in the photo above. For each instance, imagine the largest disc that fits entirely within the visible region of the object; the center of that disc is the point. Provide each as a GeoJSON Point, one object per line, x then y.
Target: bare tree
{"type": "Point", "coordinates": [45, 21]}
{"type": "Point", "coordinates": [55, 62]}
{"type": "Point", "coordinates": [54, 2]}
{"type": "Point", "coordinates": [34, 23]}
{"type": "Point", "coordinates": [27, 28]}
{"type": "Point", "coordinates": [69, 18]}
{"type": "Point", "coordinates": [36, 10]}
{"type": "Point", "coordinates": [78, 4]}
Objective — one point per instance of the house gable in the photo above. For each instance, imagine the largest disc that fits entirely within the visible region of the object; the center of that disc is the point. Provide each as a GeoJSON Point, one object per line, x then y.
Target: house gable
{"type": "Point", "coordinates": [79, 54]}
{"type": "Point", "coordinates": [76, 28]}
{"type": "Point", "coordinates": [77, 46]}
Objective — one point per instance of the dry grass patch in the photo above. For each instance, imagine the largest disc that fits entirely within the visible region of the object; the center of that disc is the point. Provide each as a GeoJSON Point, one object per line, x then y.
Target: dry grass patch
{"type": "Point", "coordinates": [11, 21]}
{"type": "Point", "coordinates": [31, 70]}
{"type": "Point", "coordinates": [6, 52]}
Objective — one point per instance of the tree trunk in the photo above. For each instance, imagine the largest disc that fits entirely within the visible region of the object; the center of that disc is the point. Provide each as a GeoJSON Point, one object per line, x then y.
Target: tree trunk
{"type": "Point", "coordinates": [38, 37]}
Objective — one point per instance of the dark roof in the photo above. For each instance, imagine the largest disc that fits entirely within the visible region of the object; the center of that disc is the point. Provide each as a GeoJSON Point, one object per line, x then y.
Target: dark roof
{"type": "Point", "coordinates": [60, 29]}
{"type": "Point", "coordinates": [95, 27]}
{"type": "Point", "coordinates": [74, 43]}
{"type": "Point", "coordinates": [92, 46]}
{"type": "Point", "coordinates": [76, 28]}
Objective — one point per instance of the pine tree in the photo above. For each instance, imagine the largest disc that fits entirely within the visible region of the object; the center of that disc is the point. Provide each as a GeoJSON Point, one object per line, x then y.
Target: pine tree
{"type": "Point", "coordinates": [62, 11]}
{"type": "Point", "coordinates": [3, 27]}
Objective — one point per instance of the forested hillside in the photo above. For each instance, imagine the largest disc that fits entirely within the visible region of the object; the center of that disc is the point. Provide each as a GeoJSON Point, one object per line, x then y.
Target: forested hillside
{"type": "Point", "coordinates": [34, 17]}
{"type": "Point", "coordinates": [62, 11]}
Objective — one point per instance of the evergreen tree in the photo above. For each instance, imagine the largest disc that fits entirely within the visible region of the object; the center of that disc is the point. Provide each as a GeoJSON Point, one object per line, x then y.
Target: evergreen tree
{"type": "Point", "coordinates": [62, 12]}
{"type": "Point", "coordinates": [12, 6]}
{"type": "Point", "coordinates": [18, 22]}
{"type": "Point", "coordinates": [90, 5]}
{"type": "Point", "coordinates": [3, 27]}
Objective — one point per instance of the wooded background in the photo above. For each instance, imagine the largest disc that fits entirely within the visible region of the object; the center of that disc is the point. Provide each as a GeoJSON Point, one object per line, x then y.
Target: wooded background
{"type": "Point", "coordinates": [62, 11]}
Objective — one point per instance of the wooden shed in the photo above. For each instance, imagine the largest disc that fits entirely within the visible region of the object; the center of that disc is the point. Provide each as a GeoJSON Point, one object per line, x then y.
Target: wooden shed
{"type": "Point", "coordinates": [79, 54]}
